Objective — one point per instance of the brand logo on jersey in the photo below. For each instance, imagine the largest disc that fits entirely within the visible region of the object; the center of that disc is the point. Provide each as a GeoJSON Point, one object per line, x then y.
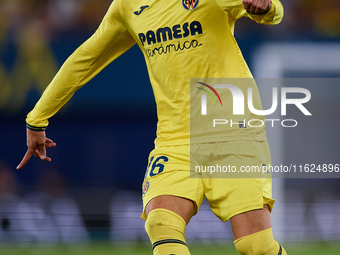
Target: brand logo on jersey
{"type": "Point", "coordinates": [142, 8]}
{"type": "Point", "coordinates": [166, 33]}
{"type": "Point", "coordinates": [190, 4]}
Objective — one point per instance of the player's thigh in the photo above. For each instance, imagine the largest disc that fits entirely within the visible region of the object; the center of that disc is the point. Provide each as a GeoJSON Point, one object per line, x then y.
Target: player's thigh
{"type": "Point", "coordinates": [229, 196]}
{"type": "Point", "coordinates": [184, 207]}
{"type": "Point", "coordinates": [250, 222]}
{"type": "Point", "coordinates": [168, 183]}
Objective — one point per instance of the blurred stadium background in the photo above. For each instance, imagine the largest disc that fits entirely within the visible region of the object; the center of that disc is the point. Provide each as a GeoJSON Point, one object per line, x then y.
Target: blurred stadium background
{"type": "Point", "coordinates": [88, 199]}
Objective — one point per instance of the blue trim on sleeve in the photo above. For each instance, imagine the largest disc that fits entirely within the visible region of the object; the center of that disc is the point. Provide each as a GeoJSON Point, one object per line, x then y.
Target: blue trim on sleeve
{"type": "Point", "coordinates": [35, 128]}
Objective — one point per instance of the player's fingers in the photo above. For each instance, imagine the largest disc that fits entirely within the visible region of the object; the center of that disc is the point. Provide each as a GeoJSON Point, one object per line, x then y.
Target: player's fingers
{"type": "Point", "coordinates": [42, 151]}
{"type": "Point", "coordinates": [26, 158]}
{"type": "Point", "coordinates": [253, 5]}
{"type": "Point", "coordinates": [269, 5]}
{"type": "Point", "coordinates": [246, 4]}
{"type": "Point", "coordinates": [262, 6]}
{"type": "Point", "coordinates": [36, 154]}
{"type": "Point", "coordinates": [50, 145]}
{"type": "Point", "coordinates": [48, 159]}
{"type": "Point", "coordinates": [48, 140]}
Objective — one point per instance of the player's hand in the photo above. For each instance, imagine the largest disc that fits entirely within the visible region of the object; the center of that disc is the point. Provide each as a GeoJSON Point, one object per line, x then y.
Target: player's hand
{"type": "Point", "coordinates": [37, 143]}
{"type": "Point", "coordinates": [257, 6]}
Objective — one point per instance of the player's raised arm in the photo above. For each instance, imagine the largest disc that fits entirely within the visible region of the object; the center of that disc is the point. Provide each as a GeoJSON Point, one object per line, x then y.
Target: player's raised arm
{"type": "Point", "coordinates": [257, 6]}
{"type": "Point", "coordinates": [268, 12]}
{"type": "Point", "coordinates": [262, 11]}
{"type": "Point", "coordinates": [109, 41]}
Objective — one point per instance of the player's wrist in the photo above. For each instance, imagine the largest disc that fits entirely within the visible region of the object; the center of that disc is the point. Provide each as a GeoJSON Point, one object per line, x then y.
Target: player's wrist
{"type": "Point", "coordinates": [34, 128]}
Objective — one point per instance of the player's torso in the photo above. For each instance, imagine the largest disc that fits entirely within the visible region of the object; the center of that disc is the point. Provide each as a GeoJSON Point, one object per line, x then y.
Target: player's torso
{"type": "Point", "coordinates": [169, 29]}
{"type": "Point", "coordinates": [182, 39]}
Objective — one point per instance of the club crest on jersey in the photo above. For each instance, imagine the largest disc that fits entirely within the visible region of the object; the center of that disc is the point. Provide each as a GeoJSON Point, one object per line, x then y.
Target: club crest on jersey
{"type": "Point", "coordinates": [146, 186]}
{"type": "Point", "coordinates": [190, 4]}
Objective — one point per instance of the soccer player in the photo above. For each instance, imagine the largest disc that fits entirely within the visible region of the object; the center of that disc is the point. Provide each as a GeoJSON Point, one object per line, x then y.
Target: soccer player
{"type": "Point", "coordinates": [180, 39]}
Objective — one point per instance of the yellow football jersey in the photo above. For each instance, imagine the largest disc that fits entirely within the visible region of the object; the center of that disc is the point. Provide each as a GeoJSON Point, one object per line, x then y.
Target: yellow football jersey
{"type": "Point", "coordinates": [180, 39]}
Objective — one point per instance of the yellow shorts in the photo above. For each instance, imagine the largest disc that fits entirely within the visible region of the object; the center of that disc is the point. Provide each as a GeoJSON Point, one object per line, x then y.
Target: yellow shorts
{"type": "Point", "coordinates": [168, 173]}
